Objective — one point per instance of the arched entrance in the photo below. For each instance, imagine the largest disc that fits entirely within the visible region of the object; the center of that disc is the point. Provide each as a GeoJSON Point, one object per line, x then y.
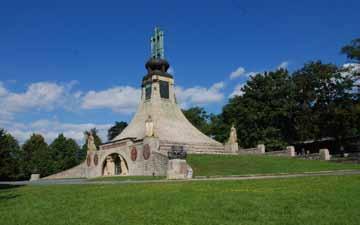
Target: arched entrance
{"type": "Point", "coordinates": [115, 165]}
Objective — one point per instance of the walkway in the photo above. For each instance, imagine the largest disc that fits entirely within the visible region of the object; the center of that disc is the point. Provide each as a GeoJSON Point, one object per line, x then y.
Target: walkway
{"type": "Point", "coordinates": [214, 178]}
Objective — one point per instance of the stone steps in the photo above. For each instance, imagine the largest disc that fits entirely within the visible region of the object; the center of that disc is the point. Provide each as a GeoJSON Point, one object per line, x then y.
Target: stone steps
{"type": "Point", "coordinates": [193, 148]}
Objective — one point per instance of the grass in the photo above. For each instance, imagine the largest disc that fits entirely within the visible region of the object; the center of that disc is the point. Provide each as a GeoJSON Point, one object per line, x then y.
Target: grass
{"type": "Point", "coordinates": [127, 178]}
{"type": "Point", "coordinates": [308, 200]}
{"type": "Point", "coordinates": [222, 165]}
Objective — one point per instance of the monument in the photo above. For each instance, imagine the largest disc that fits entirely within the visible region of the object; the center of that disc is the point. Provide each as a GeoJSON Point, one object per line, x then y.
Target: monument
{"type": "Point", "coordinates": [232, 144]}
{"type": "Point", "coordinates": [157, 127]}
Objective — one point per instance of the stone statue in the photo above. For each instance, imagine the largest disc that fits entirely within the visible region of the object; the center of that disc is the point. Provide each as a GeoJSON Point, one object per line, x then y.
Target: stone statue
{"type": "Point", "coordinates": [90, 142]}
{"type": "Point", "coordinates": [149, 127]}
{"type": "Point", "coordinates": [233, 135]}
{"type": "Point", "coordinates": [232, 144]}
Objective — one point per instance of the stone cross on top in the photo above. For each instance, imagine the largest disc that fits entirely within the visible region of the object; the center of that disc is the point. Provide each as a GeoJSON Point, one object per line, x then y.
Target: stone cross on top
{"type": "Point", "coordinates": [157, 44]}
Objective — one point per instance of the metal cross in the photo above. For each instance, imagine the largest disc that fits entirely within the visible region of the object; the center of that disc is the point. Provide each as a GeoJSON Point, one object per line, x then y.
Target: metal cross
{"type": "Point", "coordinates": [157, 44]}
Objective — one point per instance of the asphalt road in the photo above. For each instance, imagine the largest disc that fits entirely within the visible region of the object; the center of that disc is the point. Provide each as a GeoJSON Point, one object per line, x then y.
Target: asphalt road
{"type": "Point", "coordinates": [196, 179]}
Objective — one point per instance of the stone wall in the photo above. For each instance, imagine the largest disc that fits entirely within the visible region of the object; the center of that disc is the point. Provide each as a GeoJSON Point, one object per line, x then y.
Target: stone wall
{"type": "Point", "coordinates": [75, 172]}
{"type": "Point", "coordinates": [250, 151]}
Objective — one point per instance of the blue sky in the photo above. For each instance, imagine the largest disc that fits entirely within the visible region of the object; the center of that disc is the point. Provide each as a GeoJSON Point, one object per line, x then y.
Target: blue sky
{"type": "Point", "coordinates": [66, 66]}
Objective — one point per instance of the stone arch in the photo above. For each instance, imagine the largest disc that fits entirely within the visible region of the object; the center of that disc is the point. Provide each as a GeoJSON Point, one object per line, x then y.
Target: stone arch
{"type": "Point", "coordinates": [114, 164]}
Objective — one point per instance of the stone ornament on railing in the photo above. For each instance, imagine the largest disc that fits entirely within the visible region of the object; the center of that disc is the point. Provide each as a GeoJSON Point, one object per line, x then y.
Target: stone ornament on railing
{"type": "Point", "coordinates": [291, 151]}
{"type": "Point", "coordinates": [261, 148]}
{"type": "Point", "coordinates": [324, 154]}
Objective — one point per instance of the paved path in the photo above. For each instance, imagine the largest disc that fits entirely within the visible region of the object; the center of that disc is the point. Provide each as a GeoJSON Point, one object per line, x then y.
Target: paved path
{"type": "Point", "coordinates": [214, 178]}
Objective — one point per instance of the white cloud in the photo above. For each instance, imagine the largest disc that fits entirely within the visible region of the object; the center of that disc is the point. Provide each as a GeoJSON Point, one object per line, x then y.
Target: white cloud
{"type": "Point", "coordinates": [38, 96]}
{"type": "Point", "coordinates": [283, 65]}
{"type": "Point", "coordinates": [237, 73]}
{"type": "Point", "coordinates": [119, 99]}
{"type": "Point", "coordinates": [237, 90]}
{"type": "Point", "coordinates": [199, 95]}
{"type": "Point", "coordinates": [51, 129]}
{"type": "Point", "coordinates": [3, 90]}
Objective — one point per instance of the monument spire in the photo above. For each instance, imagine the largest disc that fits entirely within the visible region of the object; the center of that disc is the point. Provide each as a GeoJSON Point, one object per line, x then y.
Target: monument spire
{"type": "Point", "coordinates": [157, 44]}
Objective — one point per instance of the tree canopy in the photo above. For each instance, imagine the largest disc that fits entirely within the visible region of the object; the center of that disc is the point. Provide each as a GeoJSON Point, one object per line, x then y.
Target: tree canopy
{"type": "Point", "coordinates": [9, 157]}
{"type": "Point", "coordinates": [116, 129]}
{"type": "Point", "coordinates": [199, 118]}
{"type": "Point", "coordinates": [37, 157]}
{"type": "Point", "coordinates": [64, 153]}
{"type": "Point", "coordinates": [352, 50]}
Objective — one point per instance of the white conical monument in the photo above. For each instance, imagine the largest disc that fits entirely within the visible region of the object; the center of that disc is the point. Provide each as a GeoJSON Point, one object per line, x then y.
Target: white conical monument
{"type": "Point", "coordinates": [158, 102]}
{"type": "Point", "coordinates": [157, 127]}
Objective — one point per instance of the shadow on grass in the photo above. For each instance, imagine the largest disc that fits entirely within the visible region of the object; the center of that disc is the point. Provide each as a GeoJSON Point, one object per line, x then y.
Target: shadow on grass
{"type": "Point", "coordinates": [9, 186]}
{"type": "Point", "coordinates": [7, 195]}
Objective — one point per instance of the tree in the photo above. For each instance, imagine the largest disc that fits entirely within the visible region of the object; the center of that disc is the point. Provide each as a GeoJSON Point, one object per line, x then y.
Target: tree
{"type": "Point", "coordinates": [263, 113]}
{"type": "Point", "coordinates": [116, 129]}
{"type": "Point", "coordinates": [199, 118]}
{"type": "Point", "coordinates": [352, 50]}
{"type": "Point", "coordinates": [81, 154]}
{"type": "Point", "coordinates": [219, 129]}
{"type": "Point", "coordinates": [324, 102]}
{"type": "Point", "coordinates": [64, 153]}
{"type": "Point", "coordinates": [37, 157]}
{"type": "Point", "coordinates": [9, 157]}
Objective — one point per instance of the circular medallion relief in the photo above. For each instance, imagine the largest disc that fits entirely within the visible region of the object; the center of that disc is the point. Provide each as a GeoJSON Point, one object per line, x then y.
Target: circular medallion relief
{"type": "Point", "coordinates": [146, 151]}
{"type": "Point", "coordinates": [96, 159]}
{"type": "Point", "coordinates": [133, 154]}
{"type": "Point", "coordinates": [88, 160]}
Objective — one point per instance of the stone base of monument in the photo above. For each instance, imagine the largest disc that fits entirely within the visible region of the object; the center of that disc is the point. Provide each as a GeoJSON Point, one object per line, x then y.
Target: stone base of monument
{"type": "Point", "coordinates": [178, 169]}
{"type": "Point", "coordinates": [35, 177]}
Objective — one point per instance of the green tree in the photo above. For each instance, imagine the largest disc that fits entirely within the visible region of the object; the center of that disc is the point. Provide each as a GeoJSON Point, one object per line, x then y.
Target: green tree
{"type": "Point", "coordinates": [352, 50]}
{"type": "Point", "coordinates": [37, 157]}
{"type": "Point", "coordinates": [9, 157]}
{"type": "Point", "coordinates": [116, 129]}
{"type": "Point", "coordinates": [199, 118]}
{"type": "Point", "coordinates": [264, 112]}
{"type": "Point", "coordinates": [64, 153]}
{"type": "Point", "coordinates": [324, 102]}
{"type": "Point", "coordinates": [219, 129]}
{"type": "Point", "coordinates": [81, 154]}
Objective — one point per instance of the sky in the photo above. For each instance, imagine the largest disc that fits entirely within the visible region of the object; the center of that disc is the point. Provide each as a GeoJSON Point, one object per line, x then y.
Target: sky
{"type": "Point", "coordinates": [68, 66]}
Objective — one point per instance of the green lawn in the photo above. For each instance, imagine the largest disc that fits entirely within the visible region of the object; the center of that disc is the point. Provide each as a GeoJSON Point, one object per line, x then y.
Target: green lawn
{"type": "Point", "coordinates": [210, 165]}
{"type": "Point", "coordinates": [127, 178]}
{"type": "Point", "coordinates": [308, 200]}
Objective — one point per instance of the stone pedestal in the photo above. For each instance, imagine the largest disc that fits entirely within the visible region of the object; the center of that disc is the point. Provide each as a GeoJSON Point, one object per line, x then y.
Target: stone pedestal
{"type": "Point", "coordinates": [177, 169]}
{"type": "Point", "coordinates": [291, 151]}
{"type": "Point", "coordinates": [261, 148]}
{"type": "Point", "coordinates": [324, 154]}
{"type": "Point", "coordinates": [232, 147]}
{"type": "Point", "coordinates": [35, 177]}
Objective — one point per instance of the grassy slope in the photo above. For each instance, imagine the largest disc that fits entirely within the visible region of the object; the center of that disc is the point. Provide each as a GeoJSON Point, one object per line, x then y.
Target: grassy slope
{"type": "Point", "coordinates": [209, 165]}
{"type": "Point", "coordinates": [310, 200]}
